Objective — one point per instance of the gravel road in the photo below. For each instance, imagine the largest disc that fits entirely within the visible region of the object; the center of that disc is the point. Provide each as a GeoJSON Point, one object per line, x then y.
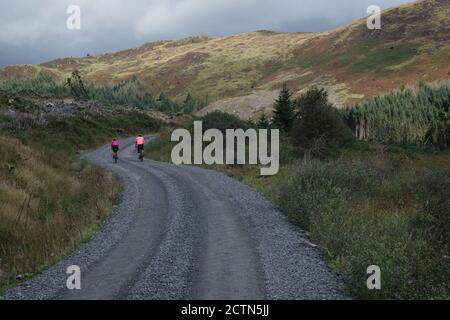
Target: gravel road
{"type": "Point", "coordinates": [181, 232]}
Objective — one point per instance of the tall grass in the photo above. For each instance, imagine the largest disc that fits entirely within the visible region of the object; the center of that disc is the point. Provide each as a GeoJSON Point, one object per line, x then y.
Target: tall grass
{"type": "Point", "coordinates": [50, 202]}
{"type": "Point", "coordinates": [365, 213]}
{"type": "Point", "coordinates": [46, 208]}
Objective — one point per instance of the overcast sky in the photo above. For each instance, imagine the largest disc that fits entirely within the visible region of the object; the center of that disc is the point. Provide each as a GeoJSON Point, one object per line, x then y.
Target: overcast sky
{"type": "Point", "coordinates": [33, 31]}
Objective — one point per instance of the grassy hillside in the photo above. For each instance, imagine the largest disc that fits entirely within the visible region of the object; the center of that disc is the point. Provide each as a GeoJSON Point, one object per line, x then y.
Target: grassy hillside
{"type": "Point", "coordinates": [50, 201]}
{"type": "Point", "coordinates": [354, 63]}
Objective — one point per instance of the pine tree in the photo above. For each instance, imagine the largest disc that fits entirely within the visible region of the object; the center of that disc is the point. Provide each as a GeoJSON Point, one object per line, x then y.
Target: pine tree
{"type": "Point", "coordinates": [404, 116]}
{"type": "Point", "coordinates": [162, 96]}
{"type": "Point", "coordinates": [189, 104]}
{"type": "Point", "coordinates": [284, 115]}
{"type": "Point", "coordinates": [148, 101]}
{"type": "Point", "coordinates": [76, 85]}
{"type": "Point", "coordinates": [318, 120]}
{"type": "Point", "coordinates": [263, 122]}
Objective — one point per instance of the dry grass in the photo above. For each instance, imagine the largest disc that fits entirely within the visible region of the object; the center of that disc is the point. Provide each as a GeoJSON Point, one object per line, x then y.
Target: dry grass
{"type": "Point", "coordinates": [46, 208]}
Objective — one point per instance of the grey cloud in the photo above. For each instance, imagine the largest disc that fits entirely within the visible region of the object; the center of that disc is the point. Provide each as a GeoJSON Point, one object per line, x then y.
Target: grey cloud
{"type": "Point", "coordinates": [33, 31]}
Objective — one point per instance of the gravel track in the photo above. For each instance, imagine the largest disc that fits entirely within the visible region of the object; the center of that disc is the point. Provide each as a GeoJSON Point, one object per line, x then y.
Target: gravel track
{"type": "Point", "coordinates": [182, 232]}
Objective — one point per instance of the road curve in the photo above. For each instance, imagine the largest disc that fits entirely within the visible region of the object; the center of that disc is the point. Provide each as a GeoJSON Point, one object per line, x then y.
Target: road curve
{"type": "Point", "coordinates": [181, 232]}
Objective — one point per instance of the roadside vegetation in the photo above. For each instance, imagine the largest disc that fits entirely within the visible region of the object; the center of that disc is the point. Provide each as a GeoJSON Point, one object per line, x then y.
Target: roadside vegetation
{"type": "Point", "coordinates": [50, 201]}
{"type": "Point", "coordinates": [363, 202]}
{"type": "Point", "coordinates": [128, 92]}
{"type": "Point", "coordinates": [47, 208]}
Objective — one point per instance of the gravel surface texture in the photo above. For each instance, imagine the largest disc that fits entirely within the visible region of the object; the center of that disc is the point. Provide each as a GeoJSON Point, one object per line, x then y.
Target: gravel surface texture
{"type": "Point", "coordinates": [182, 232]}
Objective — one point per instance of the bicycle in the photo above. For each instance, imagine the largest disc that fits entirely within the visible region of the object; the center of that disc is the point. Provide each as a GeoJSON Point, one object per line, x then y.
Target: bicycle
{"type": "Point", "coordinates": [115, 151]}
{"type": "Point", "coordinates": [141, 154]}
{"type": "Point", "coordinates": [140, 151]}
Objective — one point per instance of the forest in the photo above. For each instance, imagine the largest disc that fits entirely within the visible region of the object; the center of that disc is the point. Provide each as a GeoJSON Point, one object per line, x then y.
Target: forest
{"type": "Point", "coordinates": [407, 116]}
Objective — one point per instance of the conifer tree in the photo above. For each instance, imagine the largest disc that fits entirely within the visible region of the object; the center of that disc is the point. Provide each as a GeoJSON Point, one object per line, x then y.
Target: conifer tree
{"type": "Point", "coordinates": [283, 115]}
{"type": "Point", "coordinates": [263, 122]}
{"type": "Point", "coordinates": [189, 104]}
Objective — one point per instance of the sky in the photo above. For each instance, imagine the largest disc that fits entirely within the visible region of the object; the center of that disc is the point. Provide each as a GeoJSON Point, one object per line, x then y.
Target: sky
{"type": "Point", "coordinates": [35, 31]}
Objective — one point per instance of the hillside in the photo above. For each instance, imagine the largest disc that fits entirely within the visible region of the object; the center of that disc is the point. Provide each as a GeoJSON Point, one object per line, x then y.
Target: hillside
{"type": "Point", "coordinates": [242, 73]}
{"type": "Point", "coordinates": [50, 201]}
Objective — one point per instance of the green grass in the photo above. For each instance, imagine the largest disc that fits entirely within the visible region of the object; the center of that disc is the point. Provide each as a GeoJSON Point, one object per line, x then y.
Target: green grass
{"type": "Point", "coordinates": [370, 55]}
{"type": "Point", "coordinates": [364, 213]}
{"type": "Point", "coordinates": [307, 59]}
{"type": "Point", "coordinates": [59, 199]}
{"type": "Point", "coordinates": [91, 129]}
{"type": "Point", "coordinates": [382, 57]}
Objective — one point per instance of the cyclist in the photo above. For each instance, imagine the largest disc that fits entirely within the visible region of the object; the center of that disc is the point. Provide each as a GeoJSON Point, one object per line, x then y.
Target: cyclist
{"type": "Point", "coordinates": [139, 145]}
{"type": "Point", "coordinates": [115, 148]}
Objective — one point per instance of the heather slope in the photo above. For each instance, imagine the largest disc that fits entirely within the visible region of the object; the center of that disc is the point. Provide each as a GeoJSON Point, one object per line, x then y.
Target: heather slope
{"type": "Point", "coordinates": [352, 62]}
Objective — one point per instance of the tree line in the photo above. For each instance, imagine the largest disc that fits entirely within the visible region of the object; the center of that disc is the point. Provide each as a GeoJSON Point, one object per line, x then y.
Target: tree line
{"type": "Point", "coordinates": [127, 92]}
{"type": "Point", "coordinates": [420, 117]}
{"type": "Point", "coordinates": [310, 122]}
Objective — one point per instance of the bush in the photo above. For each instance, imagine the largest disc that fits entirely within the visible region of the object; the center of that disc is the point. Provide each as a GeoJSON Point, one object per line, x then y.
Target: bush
{"type": "Point", "coordinates": [77, 87]}
{"type": "Point", "coordinates": [84, 131]}
{"type": "Point", "coordinates": [222, 120]}
{"type": "Point", "coordinates": [362, 215]}
{"type": "Point", "coordinates": [318, 123]}
{"type": "Point", "coordinates": [263, 122]}
{"type": "Point", "coordinates": [312, 181]}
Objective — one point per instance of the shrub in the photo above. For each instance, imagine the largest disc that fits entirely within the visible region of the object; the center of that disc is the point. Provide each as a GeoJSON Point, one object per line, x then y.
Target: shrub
{"type": "Point", "coordinates": [263, 122]}
{"type": "Point", "coordinates": [318, 122]}
{"type": "Point", "coordinates": [222, 120]}
{"type": "Point", "coordinates": [77, 87]}
{"type": "Point", "coordinates": [345, 207]}
{"type": "Point", "coordinates": [190, 104]}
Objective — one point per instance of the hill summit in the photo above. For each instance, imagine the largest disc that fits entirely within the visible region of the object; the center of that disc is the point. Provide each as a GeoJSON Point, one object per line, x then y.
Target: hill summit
{"type": "Point", "coordinates": [242, 73]}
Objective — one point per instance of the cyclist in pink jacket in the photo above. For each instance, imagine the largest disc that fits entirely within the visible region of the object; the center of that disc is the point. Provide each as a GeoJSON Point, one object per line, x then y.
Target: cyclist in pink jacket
{"type": "Point", "coordinates": [139, 145]}
{"type": "Point", "coordinates": [115, 148]}
{"type": "Point", "coordinates": [115, 144]}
